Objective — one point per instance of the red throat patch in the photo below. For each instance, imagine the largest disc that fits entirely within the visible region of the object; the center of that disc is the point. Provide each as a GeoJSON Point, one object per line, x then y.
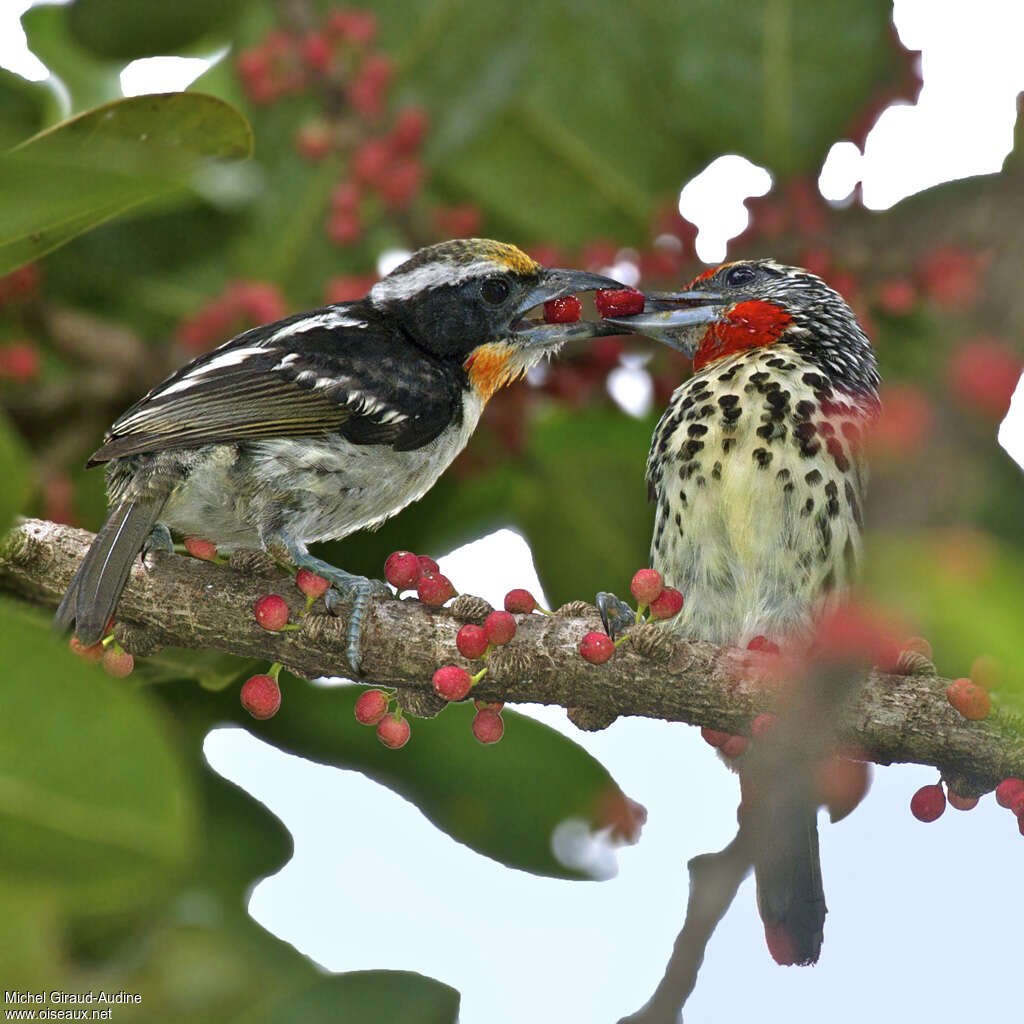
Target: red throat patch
{"type": "Point", "coordinates": [746, 325]}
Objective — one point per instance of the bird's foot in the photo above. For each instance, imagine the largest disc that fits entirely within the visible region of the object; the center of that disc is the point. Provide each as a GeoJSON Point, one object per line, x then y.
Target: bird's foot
{"type": "Point", "coordinates": [616, 615]}
{"type": "Point", "coordinates": [358, 590]}
{"type": "Point", "coordinates": [159, 540]}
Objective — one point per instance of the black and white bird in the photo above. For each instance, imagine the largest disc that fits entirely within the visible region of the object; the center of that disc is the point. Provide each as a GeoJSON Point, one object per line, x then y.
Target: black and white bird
{"type": "Point", "coordinates": [323, 423]}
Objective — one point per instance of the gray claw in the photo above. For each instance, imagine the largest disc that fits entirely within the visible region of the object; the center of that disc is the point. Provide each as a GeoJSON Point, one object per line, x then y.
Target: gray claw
{"type": "Point", "coordinates": [616, 615]}
{"type": "Point", "coordinates": [160, 540]}
{"type": "Point", "coordinates": [358, 590]}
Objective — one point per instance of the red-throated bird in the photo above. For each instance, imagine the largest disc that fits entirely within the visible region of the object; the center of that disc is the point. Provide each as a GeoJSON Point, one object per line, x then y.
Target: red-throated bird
{"type": "Point", "coordinates": [757, 473]}
{"type": "Point", "coordinates": [323, 423]}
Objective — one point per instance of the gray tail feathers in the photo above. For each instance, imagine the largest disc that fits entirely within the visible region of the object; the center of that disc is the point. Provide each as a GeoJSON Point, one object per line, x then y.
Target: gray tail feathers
{"type": "Point", "coordinates": [96, 587]}
{"type": "Point", "coordinates": [790, 896]}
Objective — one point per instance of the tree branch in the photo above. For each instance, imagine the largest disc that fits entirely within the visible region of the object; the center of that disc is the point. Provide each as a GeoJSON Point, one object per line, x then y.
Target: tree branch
{"type": "Point", "coordinates": [183, 602]}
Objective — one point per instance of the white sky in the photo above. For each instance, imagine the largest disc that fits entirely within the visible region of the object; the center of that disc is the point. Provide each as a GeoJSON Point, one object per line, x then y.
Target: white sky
{"type": "Point", "coordinates": [923, 921]}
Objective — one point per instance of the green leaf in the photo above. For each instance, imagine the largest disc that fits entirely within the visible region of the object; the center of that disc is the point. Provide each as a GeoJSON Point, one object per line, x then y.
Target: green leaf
{"type": "Point", "coordinates": [14, 471]}
{"type": "Point", "coordinates": [961, 589]}
{"type": "Point", "coordinates": [572, 120]}
{"type": "Point", "coordinates": [503, 801]}
{"type": "Point", "coordinates": [94, 803]}
{"type": "Point", "coordinates": [369, 996]}
{"type": "Point", "coordinates": [99, 164]}
{"type": "Point", "coordinates": [584, 505]}
{"type": "Point", "coordinates": [88, 81]}
{"type": "Point", "coordinates": [127, 29]}
{"type": "Point", "coordinates": [25, 107]}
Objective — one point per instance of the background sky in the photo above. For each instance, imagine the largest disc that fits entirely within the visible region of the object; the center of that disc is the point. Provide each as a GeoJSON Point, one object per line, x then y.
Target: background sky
{"type": "Point", "coordinates": [913, 908]}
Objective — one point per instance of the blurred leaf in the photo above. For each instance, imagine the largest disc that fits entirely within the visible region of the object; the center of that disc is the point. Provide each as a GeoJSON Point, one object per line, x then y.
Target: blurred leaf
{"type": "Point", "coordinates": [503, 801]}
{"type": "Point", "coordinates": [584, 510]}
{"type": "Point", "coordinates": [88, 81]}
{"type": "Point", "coordinates": [127, 29]}
{"type": "Point", "coordinates": [24, 108]}
{"type": "Point", "coordinates": [93, 798]}
{"type": "Point", "coordinates": [370, 996]}
{"type": "Point", "coordinates": [94, 166]}
{"type": "Point", "coordinates": [961, 588]}
{"type": "Point", "coordinates": [14, 471]}
{"type": "Point", "coordinates": [572, 121]}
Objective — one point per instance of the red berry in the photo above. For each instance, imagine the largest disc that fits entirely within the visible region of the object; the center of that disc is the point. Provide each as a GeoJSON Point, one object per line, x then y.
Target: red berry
{"type": "Point", "coordinates": [410, 127]}
{"type": "Point", "coordinates": [1008, 790]}
{"type": "Point", "coordinates": [199, 548]}
{"type": "Point", "coordinates": [762, 725]}
{"type": "Point", "coordinates": [434, 589]}
{"type": "Point", "coordinates": [427, 564]}
{"type": "Point", "coordinates": [402, 570]}
{"type": "Point", "coordinates": [983, 374]}
{"type": "Point", "coordinates": [596, 648]}
{"type": "Point", "coordinates": [19, 361]}
{"type": "Point", "coordinates": [897, 297]}
{"type": "Point", "coordinates": [928, 803]}
{"type": "Point", "coordinates": [452, 682]}
{"type": "Point", "coordinates": [488, 726]}
{"type": "Point", "coordinates": [713, 736]}
{"type": "Point", "coordinates": [371, 707]}
{"type": "Point", "coordinates": [969, 699]}
{"type": "Point", "coordinates": [117, 661]}
{"type": "Point", "coordinates": [500, 627]}
{"type": "Point", "coordinates": [261, 696]}
{"type": "Point", "coordinates": [646, 585]}
{"type": "Point", "coordinates": [471, 641]}
{"type": "Point", "coordinates": [271, 611]}
{"type": "Point", "coordinates": [668, 603]}
{"type": "Point", "coordinates": [734, 746]}
{"type": "Point", "coordinates": [762, 643]}
{"type": "Point", "coordinates": [520, 601]}
{"type": "Point", "coordinates": [619, 301]}
{"type": "Point", "coordinates": [488, 705]}
{"type": "Point", "coordinates": [316, 52]}
{"type": "Point", "coordinates": [393, 730]}
{"type": "Point", "coordinates": [370, 161]}
{"type": "Point", "coordinates": [399, 182]}
{"type": "Point", "coordinates": [562, 311]}
{"type": "Point", "coordinates": [311, 584]}
{"type": "Point", "coordinates": [344, 227]}
{"type": "Point", "coordinates": [961, 803]}
{"type": "Point", "coordinates": [94, 652]}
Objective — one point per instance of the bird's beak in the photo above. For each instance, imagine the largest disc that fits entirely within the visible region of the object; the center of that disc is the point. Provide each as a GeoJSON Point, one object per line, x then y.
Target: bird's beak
{"type": "Point", "coordinates": [555, 284]}
{"type": "Point", "coordinates": [671, 318]}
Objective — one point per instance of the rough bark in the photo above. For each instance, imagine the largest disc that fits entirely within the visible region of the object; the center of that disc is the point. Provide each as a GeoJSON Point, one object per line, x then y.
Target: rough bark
{"type": "Point", "coordinates": [183, 602]}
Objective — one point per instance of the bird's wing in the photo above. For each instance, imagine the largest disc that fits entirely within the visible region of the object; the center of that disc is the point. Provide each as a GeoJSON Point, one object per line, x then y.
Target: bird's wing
{"type": "Point", "coordinates": [330, 371]}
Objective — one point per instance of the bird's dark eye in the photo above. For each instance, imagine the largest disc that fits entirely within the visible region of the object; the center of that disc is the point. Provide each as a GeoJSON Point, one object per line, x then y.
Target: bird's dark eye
{"type": "Point", "coordinates": [494, 290]}
{"type": "Point", "coordinates": [741, 274]}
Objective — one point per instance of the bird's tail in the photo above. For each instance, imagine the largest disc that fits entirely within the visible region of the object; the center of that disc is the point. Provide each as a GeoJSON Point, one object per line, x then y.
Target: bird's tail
{"type": "Point", "coordinates": [96, 587]}
{"type": "Point", "coordinates": [790, 896]}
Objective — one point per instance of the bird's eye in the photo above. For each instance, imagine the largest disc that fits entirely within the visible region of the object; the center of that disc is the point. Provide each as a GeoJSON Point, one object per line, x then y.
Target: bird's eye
{"type": "Point", "coordinates": [494, 290]}
{"type": "Point", "coordinates": [741, 274]}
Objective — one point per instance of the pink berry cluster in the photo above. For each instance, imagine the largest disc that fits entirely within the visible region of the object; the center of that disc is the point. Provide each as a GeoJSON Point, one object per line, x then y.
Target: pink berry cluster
{"type": "Point", "coordinates": [373, 707]}
{"type": "Point", "coordinates": [654, 601]}
{"type": "Point", "coordinates": [335, 62]}
{"type": "Point", "coordinates": [407, 571]}
{"type": "Point", "coordinates": [261, 694]}
{"type": "Point", "coordinates": [241, 305]}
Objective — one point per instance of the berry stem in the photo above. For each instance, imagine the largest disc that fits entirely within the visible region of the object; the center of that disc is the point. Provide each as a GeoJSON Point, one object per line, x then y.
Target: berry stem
{"type": "Point", "coordinates": [275, 670]}
{"type": "Point", "coordinates": [476, 679]}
